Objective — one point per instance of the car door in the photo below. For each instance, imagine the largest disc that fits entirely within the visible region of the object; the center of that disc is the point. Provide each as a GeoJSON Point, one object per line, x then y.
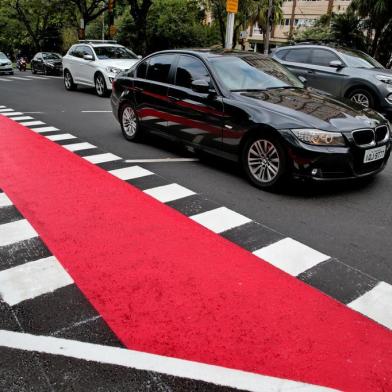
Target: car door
{"type": "Point", "coordinates": [73, 62]}
{"type": "Point", "coordinates": [87, 67]}
{"type": "Point", "coordinates": [326, 77]}
{"type": "Point", "coordinates": [38, 62]}
{"type": "Point", "coordinates": [297, 60]}
{"type": "Point", "coordinates": [195, 117]}
{"type": "Point", "coordinates": [150, 90]}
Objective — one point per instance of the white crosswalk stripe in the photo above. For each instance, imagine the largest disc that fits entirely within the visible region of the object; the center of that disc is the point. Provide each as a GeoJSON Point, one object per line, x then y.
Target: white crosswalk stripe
{"type": "Point", "coordinates": [128, 173]}
{"type": "Point", "coordinates": [22, 118]}
{"type": "Point", "coordinates": [44, 129]}
{"type": "Point", "coordinates": [31, 123]}
{"type": "Point", "coordinates": [16, 231]}
{"type": "Point", "coordinates": [169, 192]}
{"type": "Point", "coordinates": [32, 279]}
{"type": "Point", "coordinates": [4, 200]}
{"type": "Point", "coordinates": [79, 146]}
{"type": "Point", "coordinates": [63, 136]}
{"type": "Point", "coordinates": [11, 114]}
{"type": "Point", "coordinates": [101, 158]}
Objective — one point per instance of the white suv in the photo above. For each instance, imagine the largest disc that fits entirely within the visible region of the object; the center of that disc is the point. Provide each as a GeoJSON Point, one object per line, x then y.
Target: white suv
{"type": "Point", "coordinates": [96, 63]}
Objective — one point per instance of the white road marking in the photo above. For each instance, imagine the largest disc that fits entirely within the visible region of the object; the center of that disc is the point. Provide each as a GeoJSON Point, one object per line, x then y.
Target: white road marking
{"type": "Point", "coordinates": [169, 192]}
{"type": "Point", "coordinates": [16, 231]}
{"type": "Point", "coordinates": [35, 77]}
{"type": "Point", "coordinates": [34, 112]}
{"type": "Point", "coordinates": [63, 136]}
{"type": "Point", "coordinates": [101, 158]}
{"type": "Point", "coordinates": [96, 111]}
{"type": "Point", "coordinates": [32, 279]}
{"type": "Point", "coordinates": [5, 80]}
{"type": "Point", "coordinates": [291, 256]}
{"type": "Point", "coordinates": [22, 118]}
{"type": "Point", "coordinates": [152, 362]}
{"type": "Point", "coordinates": [4, 200]}
{"type": "Point", "coordinates": [11, 114]}
{"type": "Point", "coordinates": [18, 78]}
{"type": "Point", "coordinates": [128, 173]}
{"type": "Point", "coordinates": [376, 304]}
{"type": "Point", "coordinates": [32, 123]}
{"type": "Point", "coordinates": [6, 110]}
{"type": "Point", "coordinates": [44, 129]}
{"type": "Point", "coordinates": [2, 107]}
{"type": "Point", "coordinates": [162, 160]}
{"type": "Point", "coordinates": [220, 219]}
{"type": "Point", "coordinates": [79, 146]}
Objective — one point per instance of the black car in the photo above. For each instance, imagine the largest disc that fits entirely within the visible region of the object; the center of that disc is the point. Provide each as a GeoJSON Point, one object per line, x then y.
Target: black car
{"type": "Point", "coordinates": [247, 107]}
{"type": "Point", "coordinates": [47, 63]}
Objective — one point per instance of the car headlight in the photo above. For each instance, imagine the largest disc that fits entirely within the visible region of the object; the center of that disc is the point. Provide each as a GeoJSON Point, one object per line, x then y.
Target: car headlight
{"type": "Point", "coordinates": [319, 138]}
{"type": "Point", "coordinates": [113, 70]}
{"type": "Point", "coordinates": [385, 78]}
{"type": "Point", "coordinates": [49, 64]}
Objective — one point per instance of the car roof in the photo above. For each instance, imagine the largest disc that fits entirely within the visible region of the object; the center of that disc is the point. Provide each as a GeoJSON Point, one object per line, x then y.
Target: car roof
{"type": "Point", "coordinates": [318, 46]}
{"type": "Point", "coordinates": [214, 53]}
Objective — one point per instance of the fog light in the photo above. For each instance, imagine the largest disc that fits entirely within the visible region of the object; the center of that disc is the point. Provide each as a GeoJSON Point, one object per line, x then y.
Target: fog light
{"type": "Point", "coordinates": [389, 98]}
{"type": "Point", "coordinates": [314, 172]}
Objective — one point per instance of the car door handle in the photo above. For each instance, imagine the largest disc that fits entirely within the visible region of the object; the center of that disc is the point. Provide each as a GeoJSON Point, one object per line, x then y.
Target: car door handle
{"type": "Point", "coordinates": [310, 72]}
{"type": "Point", "coordinates": [173, 99]}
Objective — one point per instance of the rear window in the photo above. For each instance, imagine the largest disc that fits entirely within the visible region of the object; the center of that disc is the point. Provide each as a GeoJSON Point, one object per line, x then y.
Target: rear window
{"type": "Point", "coordinates": [159, 67]}
{"type": "Point", "coordinates": [298, 55]}
{"type": "Point", "coordinates": [280, 54]}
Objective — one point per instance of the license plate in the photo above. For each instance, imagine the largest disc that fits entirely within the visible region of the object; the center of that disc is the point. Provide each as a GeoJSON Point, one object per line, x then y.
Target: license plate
{"type": "Point", "coordinates": [374, 154]}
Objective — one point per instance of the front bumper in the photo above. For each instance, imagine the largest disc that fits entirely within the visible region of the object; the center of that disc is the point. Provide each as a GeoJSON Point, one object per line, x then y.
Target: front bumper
{"type": "Point", "coordinates": [6, 68]}
{"type": "Point", "coordinates": [331, 163]}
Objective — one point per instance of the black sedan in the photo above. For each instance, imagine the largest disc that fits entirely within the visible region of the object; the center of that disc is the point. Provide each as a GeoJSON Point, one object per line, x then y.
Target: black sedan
{"type": "Point", "coordinates": [47, 63]}
{"type": "Point", "coordinates": [247, 107]}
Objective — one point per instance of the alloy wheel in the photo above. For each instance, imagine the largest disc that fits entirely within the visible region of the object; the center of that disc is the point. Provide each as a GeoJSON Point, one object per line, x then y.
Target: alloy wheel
{"type": "Point", "coordinates": [100, 86]}
{"type": "Point", "coordinates": [67, 80]}
{"type": "Point", "coordinates": [361, 99]}
{"type": "Point", "coordinates": [129, 122]}
{"type": "Point", "coordinates": [263, 160]}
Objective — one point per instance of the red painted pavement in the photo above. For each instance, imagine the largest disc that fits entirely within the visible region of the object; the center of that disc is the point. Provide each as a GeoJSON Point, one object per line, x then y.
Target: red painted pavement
{"type": "Point", "coordinates": [168, 286]}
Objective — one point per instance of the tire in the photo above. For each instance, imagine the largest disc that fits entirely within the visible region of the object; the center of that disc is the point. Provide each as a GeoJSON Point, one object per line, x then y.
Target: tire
{"type": "Point", "coordinates": [68, 81]}
{"type": "Point", "coordinates": [362, 97]}
{"type": "Point", "coordinates": [33, 71]}
{"type": "Point", "coordinates": [100, 86]}
{"type": "Point", "coordinates": [130, 125]}
{"type": "Point", "coordinates": [264, 161]}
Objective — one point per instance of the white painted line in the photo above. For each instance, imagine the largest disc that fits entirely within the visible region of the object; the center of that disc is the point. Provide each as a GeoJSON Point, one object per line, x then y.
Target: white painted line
{"type": "Point", "coordinates": [376, 304]}
{"type": "Point", "coordinates": [16, 231]}
{"type": "Point", "coordinates": [220, 219]}
{"type": "Point", "coordinates": [291, 256]}
{"type": "Point", "coordinates": [96, 111]}
{"type": "Point", "coordinates": [169, 192]}
{"type": "Point", "coordinates": [35, 77]}
{"type": "Point", "coordinates": [152, 362]}
{"type": "Point", "coordinates": [128, 173]}
{"type": "Point", "coordinates": [79, 146]}
{"type": "Point", "coordinates": [4, 200]}
{"type": "Point", "coordinates": [2, 107]}
{"type": "Point", "coordinates": [18, 78]}
{"type": "Point", "coordinates": [44, 129]}
{"type": "Point", "coordinates": [101, 158]}
{"type": "Point", "coordinates": [5, 80]}
{"type": "Point", "coordinates": [32, 123]}
{"type": "Point", "coordinates": [6, 110]}
{"type": "Point", "coordinates": [22, 118]}
{"type": "Point", "coordinates": [63, 136]}
{"type": "Point", "coordinates": [32, 279]}
{"type": "Point", "coordinates": [162, 160]}
{"type": "Point", "coordinates": [10, 114]}
{"type": "Point", "coordinates": [34, 112]}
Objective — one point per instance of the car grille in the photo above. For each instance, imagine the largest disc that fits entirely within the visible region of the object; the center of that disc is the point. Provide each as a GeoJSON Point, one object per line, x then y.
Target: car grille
{"type": "Point", "coordinates": [381, 133]}
{"type": "Point", "coordinates": [369, 137]}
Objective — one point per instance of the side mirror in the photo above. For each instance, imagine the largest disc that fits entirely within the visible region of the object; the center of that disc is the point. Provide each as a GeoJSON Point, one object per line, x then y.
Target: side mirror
{"type": "Point", "coordinates": [88, 57]}
{"type": "Point", "coordinates": [139, 57]}
{"type": "Point", "coordinates": [336, 64]}
{"type": "Point", "coordinates": [201, 86]}
{"type": "Point", "coordinates": [303, 80]}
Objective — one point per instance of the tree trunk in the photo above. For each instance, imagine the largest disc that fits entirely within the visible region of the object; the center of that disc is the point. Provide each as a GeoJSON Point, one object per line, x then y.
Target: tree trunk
{"type": "Point", "coordinates": [375, 43]}
{"type": "Point", "coordinates": [291, 32]}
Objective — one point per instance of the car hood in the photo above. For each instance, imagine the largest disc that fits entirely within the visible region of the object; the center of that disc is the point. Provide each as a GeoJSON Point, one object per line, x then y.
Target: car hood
{"type": "Point", "coordinates": [120, 63]}
{"type": "Point", "coordinates": [305, 108]}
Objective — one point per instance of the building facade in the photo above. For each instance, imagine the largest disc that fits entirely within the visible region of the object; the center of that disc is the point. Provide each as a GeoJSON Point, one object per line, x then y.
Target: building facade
{"type": "Point", "coordinates": [300, 14]}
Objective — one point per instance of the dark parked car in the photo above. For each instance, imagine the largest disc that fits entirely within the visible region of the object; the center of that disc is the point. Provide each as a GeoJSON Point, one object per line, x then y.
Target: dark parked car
{"type": "Point", "coordinates": [344, 73]}
{"type": "Point", "coordinates": [249, 108]}
{"type": "Point", "coordinates": [47, 63]}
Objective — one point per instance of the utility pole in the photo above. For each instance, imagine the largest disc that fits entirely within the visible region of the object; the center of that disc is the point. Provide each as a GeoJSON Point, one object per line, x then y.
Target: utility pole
{"type": "Point", "coordinates": [112, 28]}
{"type": "Point", "coordinates": [232, 9]}
{"type": "Point", "coordinates": [268, 29]}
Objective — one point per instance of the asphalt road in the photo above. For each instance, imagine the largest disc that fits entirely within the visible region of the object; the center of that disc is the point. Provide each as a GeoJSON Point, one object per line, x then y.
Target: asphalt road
{"type": "Point", "coordinates": [350, 221]}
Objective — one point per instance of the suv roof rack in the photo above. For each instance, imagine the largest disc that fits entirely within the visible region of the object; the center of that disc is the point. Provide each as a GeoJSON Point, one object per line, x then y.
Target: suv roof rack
{"type": "Point", "coordinates": [97, 41]}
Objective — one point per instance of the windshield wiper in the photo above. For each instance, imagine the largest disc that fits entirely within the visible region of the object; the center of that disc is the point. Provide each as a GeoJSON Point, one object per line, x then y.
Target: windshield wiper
{"type": "Point", "coordinates": [285, 88]}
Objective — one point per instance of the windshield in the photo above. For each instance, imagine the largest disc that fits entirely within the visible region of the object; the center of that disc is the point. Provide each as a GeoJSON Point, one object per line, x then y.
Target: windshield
{"type": "Point", "coordinates": [3, 56]}
{"type": "Point", "coordinates": [252, 72]}
{"type": "Point", "coordinates": [51, 56]}
{"type": "Point", "coordinates": [114, 52]}
{"type": "Point", "coordinates": [358, 59]}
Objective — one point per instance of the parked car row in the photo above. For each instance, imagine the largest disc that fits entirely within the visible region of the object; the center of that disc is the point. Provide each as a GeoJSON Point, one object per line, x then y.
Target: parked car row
{"type": "Point", "coordinates": [279, 117]}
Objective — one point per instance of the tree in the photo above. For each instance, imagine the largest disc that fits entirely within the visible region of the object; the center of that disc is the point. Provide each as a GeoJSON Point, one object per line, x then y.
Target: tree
{"type": "Point", "coordinates": [89, 10]}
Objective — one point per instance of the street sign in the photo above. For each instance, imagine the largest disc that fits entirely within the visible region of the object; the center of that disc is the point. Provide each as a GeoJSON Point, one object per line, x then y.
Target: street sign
{"type": "Point", "coordinates": [232, 6]}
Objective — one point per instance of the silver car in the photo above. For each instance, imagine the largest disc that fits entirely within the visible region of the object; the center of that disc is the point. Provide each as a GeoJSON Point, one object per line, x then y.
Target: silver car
{"type": "Point", "coordinates": [5, 64]}
{"type": "Point", "coordinates": [344, 73]}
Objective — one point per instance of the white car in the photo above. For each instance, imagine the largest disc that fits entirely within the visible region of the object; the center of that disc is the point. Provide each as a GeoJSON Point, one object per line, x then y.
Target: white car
{"type": "Point", "coordinates": [96, 64]}
{"type": "Point", "coordinates": [5, 64]}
